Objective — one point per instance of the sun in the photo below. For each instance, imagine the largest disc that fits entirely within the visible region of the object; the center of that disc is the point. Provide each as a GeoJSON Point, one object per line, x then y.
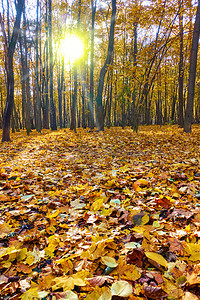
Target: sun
{"type": "Point", "coordinates": [72, 48]}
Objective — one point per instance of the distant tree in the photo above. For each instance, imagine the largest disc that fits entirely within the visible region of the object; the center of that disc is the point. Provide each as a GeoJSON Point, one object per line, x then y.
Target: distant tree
{"type": "Point", "coordinates": [192, 73]}
{"type": "Point", "coordinates": [10, 45]}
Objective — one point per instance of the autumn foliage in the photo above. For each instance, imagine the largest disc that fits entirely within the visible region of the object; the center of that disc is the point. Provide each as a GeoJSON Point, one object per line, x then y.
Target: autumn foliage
{"type": "Point", "coordinates": [100, 215]}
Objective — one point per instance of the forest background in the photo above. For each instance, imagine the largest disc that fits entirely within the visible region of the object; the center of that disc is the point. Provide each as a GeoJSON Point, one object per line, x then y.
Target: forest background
{"type": "Point", "coordinates": [134, 68]}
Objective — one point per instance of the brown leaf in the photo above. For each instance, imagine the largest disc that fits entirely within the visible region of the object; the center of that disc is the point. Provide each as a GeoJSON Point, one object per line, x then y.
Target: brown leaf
{"type": "Point", "coordinates": [153, 292]}
{"type": "Point", "coordinates": [100, 280]}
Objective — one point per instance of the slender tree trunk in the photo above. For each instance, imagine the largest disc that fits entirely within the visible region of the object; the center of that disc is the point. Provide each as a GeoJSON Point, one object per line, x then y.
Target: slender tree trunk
{"type": "Point", "coordinates": [174, 98]}
{"type": "Point", "coordinates": [115, 105]}
{"type": "Point", "coordinates": [2, 108]}
{"type": "Point", "coordinates": [83, 98]}
{"type": "Point", "coordinates": [74, 101]}
{"type": "Point", "coordinates": [110, 101]}
{"type": "Point", "coordinates": [75, 73]}
{"type": "Point", "coordinates": [60, 89]}
{"type": "Point", "coordinates": [38, 116]}
{"type": "Point", "coordinates": [22, 70]}
{"type": "Point", "coordinates": [159, 101]}
{"type": "Point", "coordinates": [165, 118]}
{"type": "Point", "coordinates": [91, 104]}
{"type": "Point", "coordinates": [181, 71]}
{"type": "Point", "coordinates": [27, 80]}
{"type": "Point", "coordinates": [134, 114]}
{"type": "Point", "coordinates": [10, 74]}
{"type": "Point", "coordinates": [52, 106]}
{"type": "Point", "coordinates": [64, 107]}
{"type": "Point", "coordinates": [99, 104]}
{"type": "Point", "coordinates": [46, 83]}
{"type": "Point", "coordinates": [192, 73]}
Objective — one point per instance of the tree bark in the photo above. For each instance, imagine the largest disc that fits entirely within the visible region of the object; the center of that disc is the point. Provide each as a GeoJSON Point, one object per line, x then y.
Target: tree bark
{"type": "Point", "coordinates": [10, 74]}
{"type": "Point", "coordinates": [74, 101]}
{"type": "Point", "coordinates": [46, 75]}
{"type": "Point", "coordinates": [99, 104]}
{"type": "Point", "coordinates": [91, 104]}
{"type": "Point", "coordinates": [38, 115]}
{"type": "Point", "coordinates": [27, 79]}
{"type": "Point", "coordinates": [192, 73]}
{"type": "Point", "coordinates": [60, 89]}
{"type": "Point", "coordinates": [52, 106]}
{"type": "Point", "coordinates": [75, 73]}
{"type": "Point", "coordinates": [181, 71]}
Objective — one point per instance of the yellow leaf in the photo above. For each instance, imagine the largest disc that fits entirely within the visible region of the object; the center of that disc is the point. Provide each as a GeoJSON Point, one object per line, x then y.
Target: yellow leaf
{"type": "Point", "coordinates": [142, 182]}
{"type": "Point", "coordinates": [131, 273]}
{"type": "Point", "coordinates": [98, 204]}
{"type": "Point", "coordinates": [109, 261]}
{"type": "Point", "coordinates": [110, 183]}
{"type": "Point", "coordinates": [30, 259]}
{"type": "Point", "coordinates": [22, 254]}
{"type": "Point", "coordinates": [65, 282]}
{"type": "Point", "coordinates": [121, 288]}
{"type": "Point", "coordinates": [7, 264]}
{"type": "Point", "coordinates": [31, 294]}
{"type": "Point", "coordinates": [98, 293]}
{"type": "Point", "coordinates": [145, 219]}
{"type": "Point", "coordinates": [195, 257]}
{"type": "Point", "coordinates": [51, 229]}
{"type": "Point", "coordinates": [187, 228]}
{"type": "Point", "coordinates": [172, 290]}
{"type": "Point", "coordinates": [157, 258]}
{"type": "Point", "coordinates": [53, 214]}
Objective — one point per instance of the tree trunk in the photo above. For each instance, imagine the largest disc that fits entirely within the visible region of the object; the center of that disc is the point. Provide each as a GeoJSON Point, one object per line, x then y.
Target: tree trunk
{"type": "Point", "coordinates": [174, 98]}
{"type": "Point", "coordinates": [23, 81]}
{"type": "Point", "coordinates": [75, 73]}
{"type": "Point", "coordinates": [64, 106]}
{"type": "Point", "coordinates": [10, 74]}
{"type": "Point", "coordinates": [91, 104]}
{"type": "Point", "coordinates": [134, 114]}
{"type": "Point", "coordinates": [27, 80]}
{"type": "Point", "coordinates": [99, 104]}
{"type": "Point", "coordinates": [38, 115]}
{"type": "Point", "coordinates": [52, 106]}
{"type": "Point", "coordinates": [60, 89]}
{"type": "Point", "coordinates": [192, 73]}
{"type": "Point", "coordinates": [181, 71]}
{"type": "Point", "coordinates": [74, 101]}
{"type": "Point", "coordinates": [83, 98]}
{"type": "Point", "coordinates": [46, 76]}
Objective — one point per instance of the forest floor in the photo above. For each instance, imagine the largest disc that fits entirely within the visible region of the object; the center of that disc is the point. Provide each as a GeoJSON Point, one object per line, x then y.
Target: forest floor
{"type": "Point", "coordinates": [100, 215]}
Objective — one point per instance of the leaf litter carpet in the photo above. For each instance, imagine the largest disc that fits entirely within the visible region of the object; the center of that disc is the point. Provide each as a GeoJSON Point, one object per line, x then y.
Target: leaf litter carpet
{"type": "Point", "coordinates": [100, 215]}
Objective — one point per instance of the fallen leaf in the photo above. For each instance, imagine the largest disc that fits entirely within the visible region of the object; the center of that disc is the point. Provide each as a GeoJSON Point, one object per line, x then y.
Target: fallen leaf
{"type": "Point", "coordinates": [109, 261]}
{"type": "Point", "coordinates": [121, 288]}
{"type": "Point", "coordinates": [157, 258]}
